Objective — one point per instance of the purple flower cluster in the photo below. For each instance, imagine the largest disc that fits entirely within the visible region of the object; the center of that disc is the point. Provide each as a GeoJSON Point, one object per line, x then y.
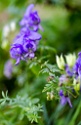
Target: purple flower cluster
{"type": "Point", "coordinates": [73, 73]}
{"type": "Point", "coordinates": [25, 43]}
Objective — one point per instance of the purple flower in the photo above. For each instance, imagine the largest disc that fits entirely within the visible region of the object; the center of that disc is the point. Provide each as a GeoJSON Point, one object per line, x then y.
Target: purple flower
{"type": "Point", "coordinates": [31, 19]}
{"type": "Point", "coordinates": [8, 68]}
{"type": "Point", "coordinates": [29, 48]}
{"type": "Point", "coordinates": [77, 66]}
{"type": "Point", "coordinates": [23, 48]}
{"type": "Point", "coordinates": [64, 99]}
{"type": "Point", "coordinates": [25, 33]}
{"type": "Point", "coordinates": [16, 52]}
{"type": "Point", "coordinates": [30, 34]}
{"type": "Point", "coordinates": [63, 79]}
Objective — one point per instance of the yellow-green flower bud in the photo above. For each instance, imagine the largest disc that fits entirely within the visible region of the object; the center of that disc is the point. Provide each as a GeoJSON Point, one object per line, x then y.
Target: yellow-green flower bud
{"type": "Point", "coordinates": [60, 62]}
{"type": "Point", "coordinates": [76, 85]}
{"type": "Point", "coordinates": [70, 59]}
{"type": "Point", "coordinates": [50, 95]}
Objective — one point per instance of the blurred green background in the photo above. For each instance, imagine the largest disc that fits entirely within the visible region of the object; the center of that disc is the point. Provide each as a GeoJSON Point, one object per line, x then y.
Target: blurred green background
{"type": "Point", "coordinates": [61, 20]}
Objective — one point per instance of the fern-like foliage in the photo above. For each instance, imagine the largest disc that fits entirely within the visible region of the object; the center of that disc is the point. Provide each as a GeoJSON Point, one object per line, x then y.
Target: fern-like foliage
{"type": "Point", "coordinates": [25, 105]}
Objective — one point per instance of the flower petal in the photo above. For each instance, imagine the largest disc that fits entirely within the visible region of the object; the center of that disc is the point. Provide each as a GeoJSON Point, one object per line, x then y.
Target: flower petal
{"type": "Point", "coordinates": [69, 102]}
{"type": "Point", "coordinates": [35, 36]}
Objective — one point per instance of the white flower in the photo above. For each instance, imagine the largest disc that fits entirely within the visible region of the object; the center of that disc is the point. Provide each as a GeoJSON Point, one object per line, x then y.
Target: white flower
{"type": "Point", "coordinates": [60, 62]}
{"type": "Point", "coordinates": [70, 59]}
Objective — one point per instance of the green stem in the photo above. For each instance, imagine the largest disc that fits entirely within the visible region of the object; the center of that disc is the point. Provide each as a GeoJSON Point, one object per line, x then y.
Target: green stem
{"type": "Point", "coordinates": [72, 94]}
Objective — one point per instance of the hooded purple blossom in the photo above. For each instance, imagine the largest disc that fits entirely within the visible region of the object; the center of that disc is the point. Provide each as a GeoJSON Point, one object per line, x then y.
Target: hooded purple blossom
{"type": "Point", "coordinates": [29, 48]}
{"type": "Point", "coordinates": [64, 99]}
{"type": "Point", "coordinates": [31, 19]}
{"type": "Point", "coordinates": [16, 52]}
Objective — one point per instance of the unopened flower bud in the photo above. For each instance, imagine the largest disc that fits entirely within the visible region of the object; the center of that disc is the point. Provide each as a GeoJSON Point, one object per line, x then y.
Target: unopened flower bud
{"type": "Point", "coordinates": [50, 95]}
{"type": "Point", "coordinates": [49, 78]}
{"type": "Point", "coordinates": [48, 98]}
{"type": "Point", "coordinates": [76, 85]}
